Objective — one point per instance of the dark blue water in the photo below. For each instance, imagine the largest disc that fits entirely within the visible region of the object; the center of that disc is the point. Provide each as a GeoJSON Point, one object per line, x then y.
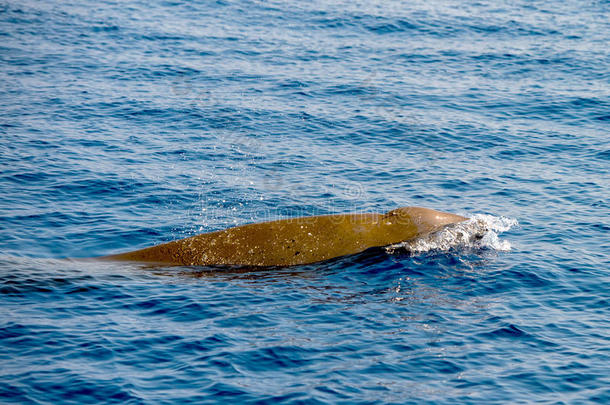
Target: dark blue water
{"type": "Point", "coordinates": [130, 123]}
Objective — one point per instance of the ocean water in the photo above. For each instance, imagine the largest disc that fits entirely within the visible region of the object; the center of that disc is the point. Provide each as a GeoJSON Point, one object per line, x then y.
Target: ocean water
{"type": "Point", "coordinates": [130, 123]}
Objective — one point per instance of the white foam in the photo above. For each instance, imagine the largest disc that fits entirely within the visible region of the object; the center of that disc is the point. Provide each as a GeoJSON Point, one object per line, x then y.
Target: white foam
{"type": "Point", "coordinates": [479, 232]}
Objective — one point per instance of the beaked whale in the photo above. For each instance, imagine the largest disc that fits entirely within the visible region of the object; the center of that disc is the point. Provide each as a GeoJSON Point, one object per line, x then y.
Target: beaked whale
{"type": "Point", "coordinates": [295, 241]}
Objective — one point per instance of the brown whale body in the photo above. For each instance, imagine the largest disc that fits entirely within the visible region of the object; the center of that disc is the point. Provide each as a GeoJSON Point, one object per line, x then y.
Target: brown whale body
{"type": "Point", "coordinates": [295, 241]}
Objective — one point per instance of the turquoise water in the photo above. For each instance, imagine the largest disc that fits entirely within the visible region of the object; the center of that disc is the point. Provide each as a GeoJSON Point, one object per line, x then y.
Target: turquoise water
{"type": "Point", "coordinates": [126, 124]}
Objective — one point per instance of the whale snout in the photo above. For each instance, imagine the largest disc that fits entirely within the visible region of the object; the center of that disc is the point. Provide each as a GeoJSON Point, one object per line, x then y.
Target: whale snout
{"type": "Point", "coordinates": [426, 219]}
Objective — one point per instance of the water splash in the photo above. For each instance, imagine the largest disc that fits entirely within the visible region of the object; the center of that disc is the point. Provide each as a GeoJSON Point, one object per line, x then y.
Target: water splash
{"type": "Point", "coordinates": [479, 232]}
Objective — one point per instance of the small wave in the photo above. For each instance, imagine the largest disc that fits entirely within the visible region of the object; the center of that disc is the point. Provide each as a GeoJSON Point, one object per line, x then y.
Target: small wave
{"type": "Point", "coordinates": [479, 232]}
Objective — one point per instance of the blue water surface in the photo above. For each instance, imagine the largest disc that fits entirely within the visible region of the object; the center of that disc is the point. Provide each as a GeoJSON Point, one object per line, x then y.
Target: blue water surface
{"type": "Point", "coordinates": [130, 123]}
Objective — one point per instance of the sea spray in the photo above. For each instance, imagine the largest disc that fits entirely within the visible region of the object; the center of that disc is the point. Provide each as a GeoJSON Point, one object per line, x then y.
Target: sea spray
{"type": "Point", "coordinates": [479, 232]}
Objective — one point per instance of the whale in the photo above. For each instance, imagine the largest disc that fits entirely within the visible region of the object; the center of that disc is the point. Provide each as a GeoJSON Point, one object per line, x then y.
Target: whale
{"type": "Point", "coordinates": [294, 241]}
